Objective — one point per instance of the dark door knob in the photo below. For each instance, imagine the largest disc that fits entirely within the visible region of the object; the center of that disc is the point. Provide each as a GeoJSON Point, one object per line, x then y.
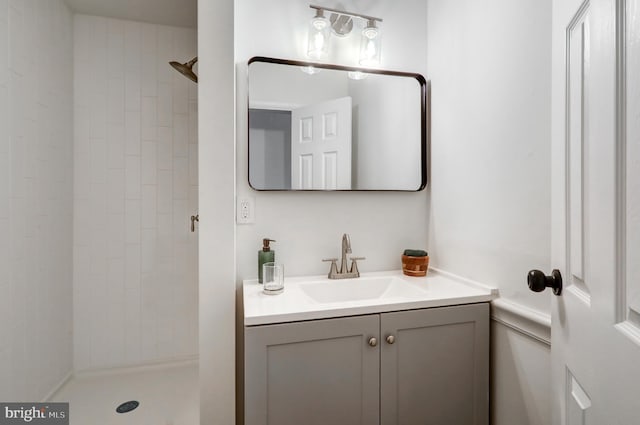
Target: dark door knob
{"type": "Point", "coordinates": [538, 281]}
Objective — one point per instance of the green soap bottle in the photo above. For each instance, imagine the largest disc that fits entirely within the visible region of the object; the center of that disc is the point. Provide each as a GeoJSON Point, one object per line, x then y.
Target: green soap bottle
{"type": "Point", "coordinates": [265, 255]}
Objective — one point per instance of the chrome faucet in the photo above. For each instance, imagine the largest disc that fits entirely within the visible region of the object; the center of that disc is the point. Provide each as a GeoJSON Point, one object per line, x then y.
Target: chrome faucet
{"type": "Point", "coordinates": [346, 249]}
{"type": "Point", "coordinates": [344, 273]}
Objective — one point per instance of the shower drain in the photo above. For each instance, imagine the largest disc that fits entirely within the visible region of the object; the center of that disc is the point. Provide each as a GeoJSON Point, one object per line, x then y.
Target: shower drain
{"type": "Point", "coordinates": [127, 406]}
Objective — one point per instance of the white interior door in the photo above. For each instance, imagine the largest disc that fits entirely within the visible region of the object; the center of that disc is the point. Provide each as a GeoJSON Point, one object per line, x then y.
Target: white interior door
{"type": "Point", "coordinates": [321, 145]}
{"type": "Point", "coordinates": [596, 211]}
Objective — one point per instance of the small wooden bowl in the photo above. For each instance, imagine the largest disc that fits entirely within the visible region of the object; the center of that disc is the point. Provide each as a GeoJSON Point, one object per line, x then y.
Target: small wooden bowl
{"type": "Point", "coordinates": [415, 266]}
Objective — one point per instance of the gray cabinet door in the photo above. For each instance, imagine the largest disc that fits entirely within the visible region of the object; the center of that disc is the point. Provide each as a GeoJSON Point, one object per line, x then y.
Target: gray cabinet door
{"type": "Point", "coordinates": [436, 372]}
{"type": "Point", "coordinates": [313, 373]}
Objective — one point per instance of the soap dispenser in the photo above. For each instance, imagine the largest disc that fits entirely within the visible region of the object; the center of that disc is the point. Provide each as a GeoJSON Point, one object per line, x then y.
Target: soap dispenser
{"type": "Point", "coordinates": [265, 255]}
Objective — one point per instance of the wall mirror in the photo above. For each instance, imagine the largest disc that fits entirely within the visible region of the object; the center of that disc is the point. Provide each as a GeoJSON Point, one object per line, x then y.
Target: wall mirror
{"type": "Point", "coordinates": [326, 127]}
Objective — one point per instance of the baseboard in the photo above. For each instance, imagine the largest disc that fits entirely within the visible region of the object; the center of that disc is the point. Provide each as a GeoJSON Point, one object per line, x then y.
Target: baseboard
{"type": "Point", "coordinates": [527, 321]}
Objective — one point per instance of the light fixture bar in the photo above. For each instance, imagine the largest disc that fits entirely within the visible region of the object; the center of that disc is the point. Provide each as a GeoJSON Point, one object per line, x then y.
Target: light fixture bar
{"type": "Point", "coordinates": [342, 12]}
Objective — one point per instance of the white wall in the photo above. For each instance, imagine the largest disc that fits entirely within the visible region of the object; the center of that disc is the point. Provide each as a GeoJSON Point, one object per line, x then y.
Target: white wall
{"type": "Point", "coordinates": [387, 152]}
{"type": "Point", "coordinates": [217, 231]}
{"type": "Point", "coordinates": [489, 211]}
{"type": "Point", "coordinates": [136, 185]}
{"type": "Point", "coordinates": [36, 163]}
{"type": "Point", "coordinates": [308, 226]}
{"type": "Point", "coordinates": [292, 87]}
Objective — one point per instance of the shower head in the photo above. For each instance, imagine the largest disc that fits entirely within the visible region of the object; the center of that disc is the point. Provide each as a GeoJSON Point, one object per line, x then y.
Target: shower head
{"type": "Point", "coordinates": [186, 68]}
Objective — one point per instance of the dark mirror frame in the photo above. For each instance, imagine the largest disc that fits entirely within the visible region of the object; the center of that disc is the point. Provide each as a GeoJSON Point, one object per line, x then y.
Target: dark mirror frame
{"type": "Point", "coordinates": [424, 113]}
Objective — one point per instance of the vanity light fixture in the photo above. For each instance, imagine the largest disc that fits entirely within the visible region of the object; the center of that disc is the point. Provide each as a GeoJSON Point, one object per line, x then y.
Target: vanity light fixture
{"type": "Point", "coordinates": [340, 23]}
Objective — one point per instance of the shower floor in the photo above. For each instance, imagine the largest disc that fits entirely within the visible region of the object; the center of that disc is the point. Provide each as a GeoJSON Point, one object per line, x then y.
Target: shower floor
{"type": "Point", "coordinates": [168, 395]}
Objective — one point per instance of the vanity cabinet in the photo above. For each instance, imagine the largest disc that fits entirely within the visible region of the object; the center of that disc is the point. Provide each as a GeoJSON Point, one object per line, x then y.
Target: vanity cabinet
{"type": "Point", "coordinates": [427, 366]}
{"type": "Point", "coordinates": [436, 372]}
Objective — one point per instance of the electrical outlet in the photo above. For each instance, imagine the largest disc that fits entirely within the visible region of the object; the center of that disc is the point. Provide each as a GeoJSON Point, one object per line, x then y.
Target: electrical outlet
{"type": "Point", "coordinates": [245, 210]}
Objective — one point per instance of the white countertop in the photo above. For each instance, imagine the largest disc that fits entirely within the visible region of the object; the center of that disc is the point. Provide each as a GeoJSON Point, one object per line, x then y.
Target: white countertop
{"type": "Point", "coordinates": [437, 289]}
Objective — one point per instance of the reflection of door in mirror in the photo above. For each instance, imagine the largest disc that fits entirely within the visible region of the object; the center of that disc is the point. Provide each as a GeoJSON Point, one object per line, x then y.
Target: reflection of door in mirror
{"type": "Point", "coordinates": [321, 145]}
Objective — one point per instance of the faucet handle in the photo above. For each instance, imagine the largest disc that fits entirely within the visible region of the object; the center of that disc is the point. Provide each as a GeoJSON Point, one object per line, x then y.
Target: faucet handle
{"type": "Point", "coordinates": [354, 265]}
{"type": "Point", "coordinates": [333, 271]}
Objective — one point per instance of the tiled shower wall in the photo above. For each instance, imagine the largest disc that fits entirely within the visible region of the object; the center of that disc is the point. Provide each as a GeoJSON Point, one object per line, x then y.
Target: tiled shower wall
{"type": "Point", "coordinates": [36, 200]}
{"type": "Point", "coordinates": [135, 187]}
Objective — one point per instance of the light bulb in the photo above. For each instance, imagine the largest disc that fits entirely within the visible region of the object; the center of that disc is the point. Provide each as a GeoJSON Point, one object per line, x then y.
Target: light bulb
{"type": "Point", "coordinates": [318, 40]}
{"type": "Point", "coordinates": [371, 49]}
{"type": "Point", "coordinates": [370, 45]}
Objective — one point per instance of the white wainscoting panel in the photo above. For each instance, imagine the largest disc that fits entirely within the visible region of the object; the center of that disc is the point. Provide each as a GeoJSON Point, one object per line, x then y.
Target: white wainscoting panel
{"type": "Point", "coordinates": [520, 370]}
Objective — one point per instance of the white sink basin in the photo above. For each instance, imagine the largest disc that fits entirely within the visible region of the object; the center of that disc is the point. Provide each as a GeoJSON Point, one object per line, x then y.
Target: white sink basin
{"type": "Point", "coordinates": [359, 289]}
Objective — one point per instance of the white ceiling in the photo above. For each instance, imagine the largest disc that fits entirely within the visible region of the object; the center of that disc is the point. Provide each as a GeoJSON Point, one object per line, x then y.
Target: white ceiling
{"type": "Point", "coordinates": [181, 13]}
